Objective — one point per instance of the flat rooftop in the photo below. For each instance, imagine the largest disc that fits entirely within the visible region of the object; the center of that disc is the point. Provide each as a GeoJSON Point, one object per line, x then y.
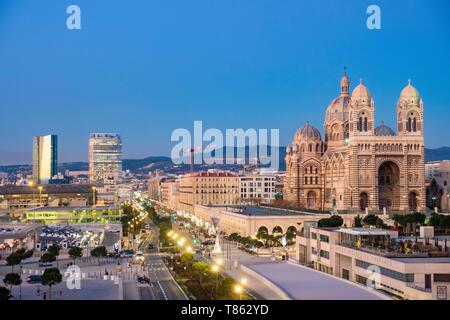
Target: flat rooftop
{"type": "Point", "coordinates": [264, 211]}
{"type": "Point", "coordinates": [366, 231]}
{"type": "Point", "coordinates": [78, 208]}
{"type": "Point", "coordinates": [302, 283]}
{"type": "Point", "coordinates": [46, 189]}
{"type": "Point", "coordinates": [20, 230]}
{"type": "Point", "coordinates": [423, 260]}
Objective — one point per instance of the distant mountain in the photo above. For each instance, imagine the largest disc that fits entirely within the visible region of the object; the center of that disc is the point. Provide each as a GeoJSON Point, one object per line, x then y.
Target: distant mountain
{"type": "Point", "coordinates": [165, 163]}
{"type": "Point", "coordinates": [442, 153]}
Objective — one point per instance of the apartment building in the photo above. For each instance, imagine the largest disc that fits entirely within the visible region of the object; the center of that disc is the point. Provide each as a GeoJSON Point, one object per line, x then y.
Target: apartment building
{"type": "Point", "coordinates": [207, 188]}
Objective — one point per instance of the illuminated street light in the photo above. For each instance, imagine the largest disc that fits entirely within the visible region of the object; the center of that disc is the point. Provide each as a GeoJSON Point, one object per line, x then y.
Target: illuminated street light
{"type": "Point", "coordinates": [244, 281]}
{"type": "Point", "coordinates": [238, 290]}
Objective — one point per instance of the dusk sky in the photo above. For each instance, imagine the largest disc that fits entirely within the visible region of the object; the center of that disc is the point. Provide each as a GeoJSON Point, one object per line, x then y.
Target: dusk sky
{"type": "Point", "coordinates": [143, 68]}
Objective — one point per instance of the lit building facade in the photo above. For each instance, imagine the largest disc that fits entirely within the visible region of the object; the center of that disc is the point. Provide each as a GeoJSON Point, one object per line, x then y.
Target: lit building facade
{"type": "Point", "coordinates": [207, 188]}
{"type": "Point", "coordinates": [357, 165]}
{"type": "Point", "coordinates": [437, 174]}
{"type": "Point", "coordinates": [257, 187]}
{"type": "Point", "coordinates": [105, 158]}
{"type": "Point", "coordinates": [45, 158]}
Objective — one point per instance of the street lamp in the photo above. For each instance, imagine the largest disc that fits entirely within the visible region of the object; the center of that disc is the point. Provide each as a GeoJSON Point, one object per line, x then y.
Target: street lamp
{"type": "Point", "coordinates": [215, 269]}
{"type": "Point", "coordinates": [238, 290]}
{"type": "Point", "coordinates": [40, 195]}
{"type": "Point", "coordinates": [94, 188]}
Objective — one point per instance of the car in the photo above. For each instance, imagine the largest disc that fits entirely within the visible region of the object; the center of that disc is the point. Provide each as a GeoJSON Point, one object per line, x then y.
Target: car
{"type": "Point", "coordinates": [126, 254]}
{"type": "Point", "coordinates": [208, 242]}
{"type": "Point", "coordinates": [151, 246]}
{"type": "Point", "coordinates": [34, 279]}
{"type": "Point", "coordinates": [139, 257]}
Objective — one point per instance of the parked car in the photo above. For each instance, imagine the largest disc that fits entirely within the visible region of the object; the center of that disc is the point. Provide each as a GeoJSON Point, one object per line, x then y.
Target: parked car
{"type": "Point", "coordinates": [151, 246]}
{"type": "Point", "coordinates": [126, 254]}
{"type": "Point", "coordinates": [34, 279]}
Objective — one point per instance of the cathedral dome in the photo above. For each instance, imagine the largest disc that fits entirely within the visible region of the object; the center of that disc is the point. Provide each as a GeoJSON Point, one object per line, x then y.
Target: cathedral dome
{"type": "Point", "coordinates": [361, 92]}
{"type": "Point", "coordinates": [409, 93]}
{"type": "Point", "coordinates": [384, 130]}
{"type": "Point", "coordinates": [338, 108]}
{"type": "Point", "coordinates": [307, 133]}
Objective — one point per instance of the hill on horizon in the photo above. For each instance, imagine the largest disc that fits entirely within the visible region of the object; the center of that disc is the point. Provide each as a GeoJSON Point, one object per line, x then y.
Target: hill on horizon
{"type": "Point", "coordinates": [165, 163]}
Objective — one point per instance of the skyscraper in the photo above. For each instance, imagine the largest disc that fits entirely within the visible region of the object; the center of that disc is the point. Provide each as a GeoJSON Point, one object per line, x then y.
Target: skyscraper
{"type": "Point", "coordinates": [45, 158]}
{"type": "Point", "coordinates": [105, 157]}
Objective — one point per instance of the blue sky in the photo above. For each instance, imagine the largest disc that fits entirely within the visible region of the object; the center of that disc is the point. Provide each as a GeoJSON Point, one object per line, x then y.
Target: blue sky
{"type": "Point", "coordinates": [143, 68]}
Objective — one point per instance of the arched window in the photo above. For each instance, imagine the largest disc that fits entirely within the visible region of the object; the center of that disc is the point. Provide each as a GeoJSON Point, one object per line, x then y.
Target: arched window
{"type": "Point", "coordinates": [414, 126]}
{"type": "Point", "coordinates": [359, 125]}
{"type": "Point", "coordinates": [306, 180]}
{"type": "Point", "coordinates": [365, 124]}
{"type": "Point", "coordinates": [408, 125]}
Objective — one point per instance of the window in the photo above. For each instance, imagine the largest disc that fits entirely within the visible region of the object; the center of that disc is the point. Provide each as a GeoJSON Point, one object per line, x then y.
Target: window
{"type": "Point", "coordinates": [324, 254]}
{"type": "Point", "coordinates": [405, 277]}
{"type": "Point", "coordinates": [441, 277]}
{"type": "Point", "coordinates": [324, 238]}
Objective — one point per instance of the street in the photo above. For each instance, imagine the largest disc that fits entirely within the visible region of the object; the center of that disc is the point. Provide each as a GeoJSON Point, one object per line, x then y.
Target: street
{"type": "Point", "coordinates": [162, 285]}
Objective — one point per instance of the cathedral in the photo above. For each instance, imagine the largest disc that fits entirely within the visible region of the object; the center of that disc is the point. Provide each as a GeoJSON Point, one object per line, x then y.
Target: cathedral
{"type": "Point", "coordinates": [357, 166]}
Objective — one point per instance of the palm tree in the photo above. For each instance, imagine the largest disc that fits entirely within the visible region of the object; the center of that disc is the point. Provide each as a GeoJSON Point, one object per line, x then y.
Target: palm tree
{"type": "Point", "coordinates": [12, 279]}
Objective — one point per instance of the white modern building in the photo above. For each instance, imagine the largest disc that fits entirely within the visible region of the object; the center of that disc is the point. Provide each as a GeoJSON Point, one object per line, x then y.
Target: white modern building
{"type": "Point", "coordinates": [405, 268]}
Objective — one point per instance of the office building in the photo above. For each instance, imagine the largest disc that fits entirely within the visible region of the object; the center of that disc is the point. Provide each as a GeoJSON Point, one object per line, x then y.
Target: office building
{"type": "Point", "coordinates": [105, 158]}
{"type": "Point", "coordinates": [45, 158]}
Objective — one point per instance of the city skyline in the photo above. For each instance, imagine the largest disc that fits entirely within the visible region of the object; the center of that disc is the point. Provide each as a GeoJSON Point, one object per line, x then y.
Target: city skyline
{"type": "Point", "coordinates": [258, 67]}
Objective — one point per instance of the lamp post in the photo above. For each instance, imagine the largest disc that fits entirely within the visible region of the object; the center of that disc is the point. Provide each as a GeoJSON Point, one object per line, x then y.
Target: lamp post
{"type": "Point", "coordinates": [20, 285]}
{"type": "Point", "coordinates": [215, 269]}
{"type": "Point", "coordinates": [238, 290]}
{"type": "Point", "coordinates": [94, 188]}
{"type": "Point", "coordinates": [40, 195]}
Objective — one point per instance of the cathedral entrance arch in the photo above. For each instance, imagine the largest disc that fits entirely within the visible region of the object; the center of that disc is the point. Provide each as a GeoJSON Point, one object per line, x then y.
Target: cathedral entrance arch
{"type": "Point", "coordinates": [412, 200]}
{"type": "Point", "coordinates": [311, 200]}
{"type": "Point", "coordinates": [363, 201]}
{"type": "Point", "coordinates": [389, 185]}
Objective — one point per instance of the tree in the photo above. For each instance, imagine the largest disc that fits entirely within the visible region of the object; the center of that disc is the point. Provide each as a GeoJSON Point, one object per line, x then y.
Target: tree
{"type": "Point", "coordinates": [51, 277]}
{"type": "Point", "coordinates": [357, 222]}
{"type": "Point", "coordinates": [12, 279]}
{"type": "Point", "coordinates": [331, 222]}
{"type": "Point", "coordinates": [75, 252]}
{"type": "Point", "coordinates": [199, 269]}
{"type": "Point", "coordinates": [373, 220]}
{"type": "Point", "coordinates": [187, 259]}
{"type": "Point", "coordinates": [13, 259]}
{"type": "Point", "coordinates": [4, 294]}
{"type": "Point", "coordinates": [47, 257]}
{"type": "Point", "coordinates": [403, 220]}
{"type": "Point", "coordinates": [54, 250]}
{"type": "Point", "coordinates": [27, 254]}
{"type": "Point", "coordinates": [99, 252]}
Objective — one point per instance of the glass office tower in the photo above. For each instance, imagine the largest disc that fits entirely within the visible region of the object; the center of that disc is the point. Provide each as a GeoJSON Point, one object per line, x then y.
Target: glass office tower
{"type": "Point", "coordinates": [45, 158]}
{"type": "Point", "coordinates": [105, 158]}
